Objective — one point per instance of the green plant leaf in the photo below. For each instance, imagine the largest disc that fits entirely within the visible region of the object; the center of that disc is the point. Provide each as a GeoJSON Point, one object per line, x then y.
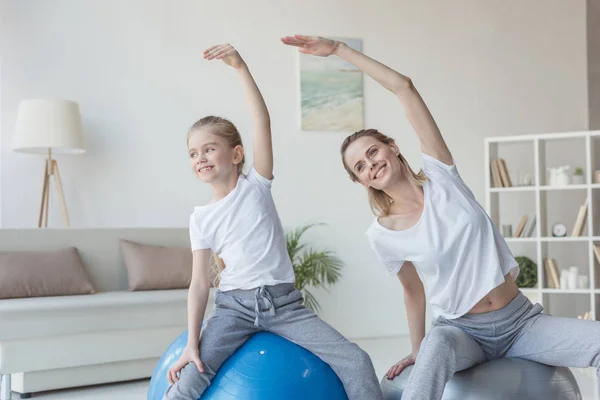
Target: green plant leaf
{"type": "Point", "coordinates": [293, 240]}
{"type": "Point", "coordinates": [318, 269]}
{"type": "Point", "coordinates": [311, 302]}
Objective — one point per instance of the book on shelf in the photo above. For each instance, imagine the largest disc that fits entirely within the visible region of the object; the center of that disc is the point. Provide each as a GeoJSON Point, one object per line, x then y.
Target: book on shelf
{"type": "Point", "coordinates": [528, 227]}
{"type": "Point", "coordinates": [552, 279]}
{"type": "Point", "coordinates": [504, 173]}
{"type": "Point", "coordinates": [597, 252]}
{"type": "Point", "coordinates": [529, 231]}
{"type": "Point", "coordinates": [521, 226]}
{"type": "Point", "coordinates": [549, 282]}
{"type": "Point", "coordinates": [500, 177]}
{"type": "Point", "coordinates": [580, 220]}
{"type": "Point", "coordinates": [555, 273]}
{"type": "Point", "coordinates": [496, 180]}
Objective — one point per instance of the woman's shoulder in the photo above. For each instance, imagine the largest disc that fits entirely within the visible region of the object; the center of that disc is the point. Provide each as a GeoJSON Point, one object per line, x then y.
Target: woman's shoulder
{"type": "Point", "coordinates": [433, 166]}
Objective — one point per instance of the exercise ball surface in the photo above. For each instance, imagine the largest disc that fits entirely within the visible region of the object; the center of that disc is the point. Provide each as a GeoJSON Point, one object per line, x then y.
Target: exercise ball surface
{"type": "Point", "coordinates": [500, 379]}
{"type": "Point", "coordinates": [266, 367]}
{"type": "Point", "coordinates": [159, 382]}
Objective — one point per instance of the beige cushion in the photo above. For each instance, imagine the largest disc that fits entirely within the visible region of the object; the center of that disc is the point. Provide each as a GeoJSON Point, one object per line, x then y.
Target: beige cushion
{"type": "Point", "coordinates": [43, 273]}
{"type": "Point", "coordinates": [156, 267]}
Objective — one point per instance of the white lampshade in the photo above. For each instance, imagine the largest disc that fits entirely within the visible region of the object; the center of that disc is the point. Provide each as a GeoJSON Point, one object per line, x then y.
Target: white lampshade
{"type": "Point", "coordinates": [48, 124]}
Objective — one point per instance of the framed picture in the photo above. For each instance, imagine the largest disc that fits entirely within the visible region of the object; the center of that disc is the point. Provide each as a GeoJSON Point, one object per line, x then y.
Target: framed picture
{"type": "Point", "coordinates": [331, 92]}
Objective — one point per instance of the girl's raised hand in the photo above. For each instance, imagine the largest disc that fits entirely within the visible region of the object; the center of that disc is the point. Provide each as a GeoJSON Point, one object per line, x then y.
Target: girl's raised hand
{"type": "Point", "coordinates": [226, 53]}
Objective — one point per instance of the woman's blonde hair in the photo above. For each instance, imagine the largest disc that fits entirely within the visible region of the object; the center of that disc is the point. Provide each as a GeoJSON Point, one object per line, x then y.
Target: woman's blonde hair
{"type": "Point", "coordinates": [224, 128]}
{"type": "Point", "coordinates": [378, 200]}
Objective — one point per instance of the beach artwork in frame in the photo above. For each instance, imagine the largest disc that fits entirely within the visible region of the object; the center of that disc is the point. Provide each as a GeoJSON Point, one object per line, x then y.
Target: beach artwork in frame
{"type": "Point", "coordinates": [331, 92]}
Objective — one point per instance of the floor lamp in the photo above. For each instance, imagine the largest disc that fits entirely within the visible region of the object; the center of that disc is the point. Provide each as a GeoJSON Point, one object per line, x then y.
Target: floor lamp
{"type": "Point", "coordinates": [49, 127]}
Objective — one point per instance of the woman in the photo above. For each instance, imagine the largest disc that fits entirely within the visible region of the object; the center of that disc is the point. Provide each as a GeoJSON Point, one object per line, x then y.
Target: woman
{"type": "Point", "coordinates": [431, 232]}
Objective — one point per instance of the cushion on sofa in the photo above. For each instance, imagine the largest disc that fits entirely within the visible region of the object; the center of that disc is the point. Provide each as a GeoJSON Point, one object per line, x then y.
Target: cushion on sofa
{"type": "Point", "coordinates": [151, 267]}
{"type": "Point", "coordinates": [43, 273]}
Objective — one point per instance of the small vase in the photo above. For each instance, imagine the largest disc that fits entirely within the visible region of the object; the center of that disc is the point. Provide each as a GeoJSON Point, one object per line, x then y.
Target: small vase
{"type": "Point", "coordinates": [577, 180]}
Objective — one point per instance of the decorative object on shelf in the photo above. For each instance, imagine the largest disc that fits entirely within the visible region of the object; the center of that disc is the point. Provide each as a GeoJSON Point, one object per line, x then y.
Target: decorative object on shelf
{"type": "Point", "coordinates": [597, 176]}
{"type": "Point", "coordinates": [583, 282]}
{"type": "Point", "coordinates": [525, 178]}
{"type": "Point", "coordinates": [573, 274]}
{"type": "Point", "coordinates": [564, 279]}
{"type": "Point", "coordinates": [507, 230]}
{"type": "Point", "coordinates": [587, 315]}
{"type": "Point", "coordinates": [528, 272]}
{"type": "Point", "coordinates": [559, 230]}
{"type": "Point", "coordinates": [578, 178]}
{"type": "Point", "coordinates": [580, 221]}
{"type": "Point", "coordinates": [500, 177]}
{"type": "Point", "coordinates": [558, 176]}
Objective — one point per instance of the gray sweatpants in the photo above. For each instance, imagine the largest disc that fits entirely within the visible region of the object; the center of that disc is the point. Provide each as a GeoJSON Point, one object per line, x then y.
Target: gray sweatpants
{"type": "Point", "coordinates": [520, 329]}
{"type": "Point", "coordinates": [277, 309]}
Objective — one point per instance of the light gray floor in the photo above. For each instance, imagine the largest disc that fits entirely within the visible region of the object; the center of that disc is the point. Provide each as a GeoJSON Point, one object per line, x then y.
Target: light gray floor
{"type": "Point", "coordinates": [384, 352]}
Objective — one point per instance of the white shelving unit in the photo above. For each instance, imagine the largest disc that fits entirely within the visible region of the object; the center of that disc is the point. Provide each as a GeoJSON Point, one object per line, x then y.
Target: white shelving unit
{"type": "Point", "coordinates": [536, 150]}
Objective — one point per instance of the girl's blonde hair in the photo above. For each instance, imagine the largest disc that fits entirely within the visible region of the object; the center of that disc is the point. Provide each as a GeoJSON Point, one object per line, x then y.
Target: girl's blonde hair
{"type": "Point", "coordinates": [378, 200]}
{"type": "Point", "coordinates": [216, 266]}
{"type": "Point", "coordinates": [224, 128]}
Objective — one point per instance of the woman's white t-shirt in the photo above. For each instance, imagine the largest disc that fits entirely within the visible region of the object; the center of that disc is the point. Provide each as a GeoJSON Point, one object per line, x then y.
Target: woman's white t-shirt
{"type": "Point", "coordinates": [455, 247]}
{"type": "Point", "coordinates": [245, 230]}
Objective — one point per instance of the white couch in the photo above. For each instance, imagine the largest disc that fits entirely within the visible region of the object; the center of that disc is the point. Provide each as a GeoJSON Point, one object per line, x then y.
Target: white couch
{"type": "Point", "coordinates": [114, 335]}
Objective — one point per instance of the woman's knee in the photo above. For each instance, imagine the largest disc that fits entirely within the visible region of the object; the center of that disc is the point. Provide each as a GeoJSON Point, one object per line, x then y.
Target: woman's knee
{"type": "Point", "coordinates": [443, 339]}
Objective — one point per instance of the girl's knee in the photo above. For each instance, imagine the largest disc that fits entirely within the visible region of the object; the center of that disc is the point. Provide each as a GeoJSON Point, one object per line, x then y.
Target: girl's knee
{"type": "Point", "coordinates": [361, 357]}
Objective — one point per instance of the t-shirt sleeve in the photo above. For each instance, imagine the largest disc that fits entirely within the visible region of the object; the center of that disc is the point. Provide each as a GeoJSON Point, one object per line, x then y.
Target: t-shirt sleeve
{"type": "Point", "coordinates": [257, 179]}
{"type": "Point", "coordinates": [391, 263]}
{"type": "Point", "coordinates": [435, 167]}
{"type": "Point", "coordinates": [443, 174]}
{"type": "Point", "coordinates": [197, 239]}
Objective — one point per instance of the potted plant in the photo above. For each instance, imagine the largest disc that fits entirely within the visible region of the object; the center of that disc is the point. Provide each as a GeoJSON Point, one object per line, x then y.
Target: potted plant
{"type": "Point", "coordinates": [312, 268]}
{"type": "Point", "coordinates": [578, 176]}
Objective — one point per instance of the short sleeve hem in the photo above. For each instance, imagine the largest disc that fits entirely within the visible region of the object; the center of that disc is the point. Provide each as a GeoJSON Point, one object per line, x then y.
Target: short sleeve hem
{"type": "Point", "coordinates": [432, 165]}
{"type": "Point", "coordinates": [254, 176]}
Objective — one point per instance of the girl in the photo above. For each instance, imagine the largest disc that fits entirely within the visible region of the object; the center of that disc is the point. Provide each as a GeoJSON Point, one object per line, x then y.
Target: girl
{"type": "Point", "coordinates": [431, 232]}
{"type": "Point", "coordinates": [256, 290]}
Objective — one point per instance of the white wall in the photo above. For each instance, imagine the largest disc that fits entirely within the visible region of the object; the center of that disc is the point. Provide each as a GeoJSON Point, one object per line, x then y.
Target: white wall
{"type": "Point", "coordinates": [593, 52]}
{"type": "Point", "coordinates": [135, 67]}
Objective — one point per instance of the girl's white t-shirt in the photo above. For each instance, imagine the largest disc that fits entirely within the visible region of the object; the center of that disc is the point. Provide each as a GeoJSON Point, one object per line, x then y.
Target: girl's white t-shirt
{"type": "Point", "coordinates": [455, 247]}
{"type": "Point", "coordinates": [245, 230]}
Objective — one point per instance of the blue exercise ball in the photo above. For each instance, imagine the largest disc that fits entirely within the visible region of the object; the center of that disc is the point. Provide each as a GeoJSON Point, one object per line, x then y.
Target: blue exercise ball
{"type": "Point", "coordinates": [159, 383]}
{"type": "Point", "coordinates": [266, 367]}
